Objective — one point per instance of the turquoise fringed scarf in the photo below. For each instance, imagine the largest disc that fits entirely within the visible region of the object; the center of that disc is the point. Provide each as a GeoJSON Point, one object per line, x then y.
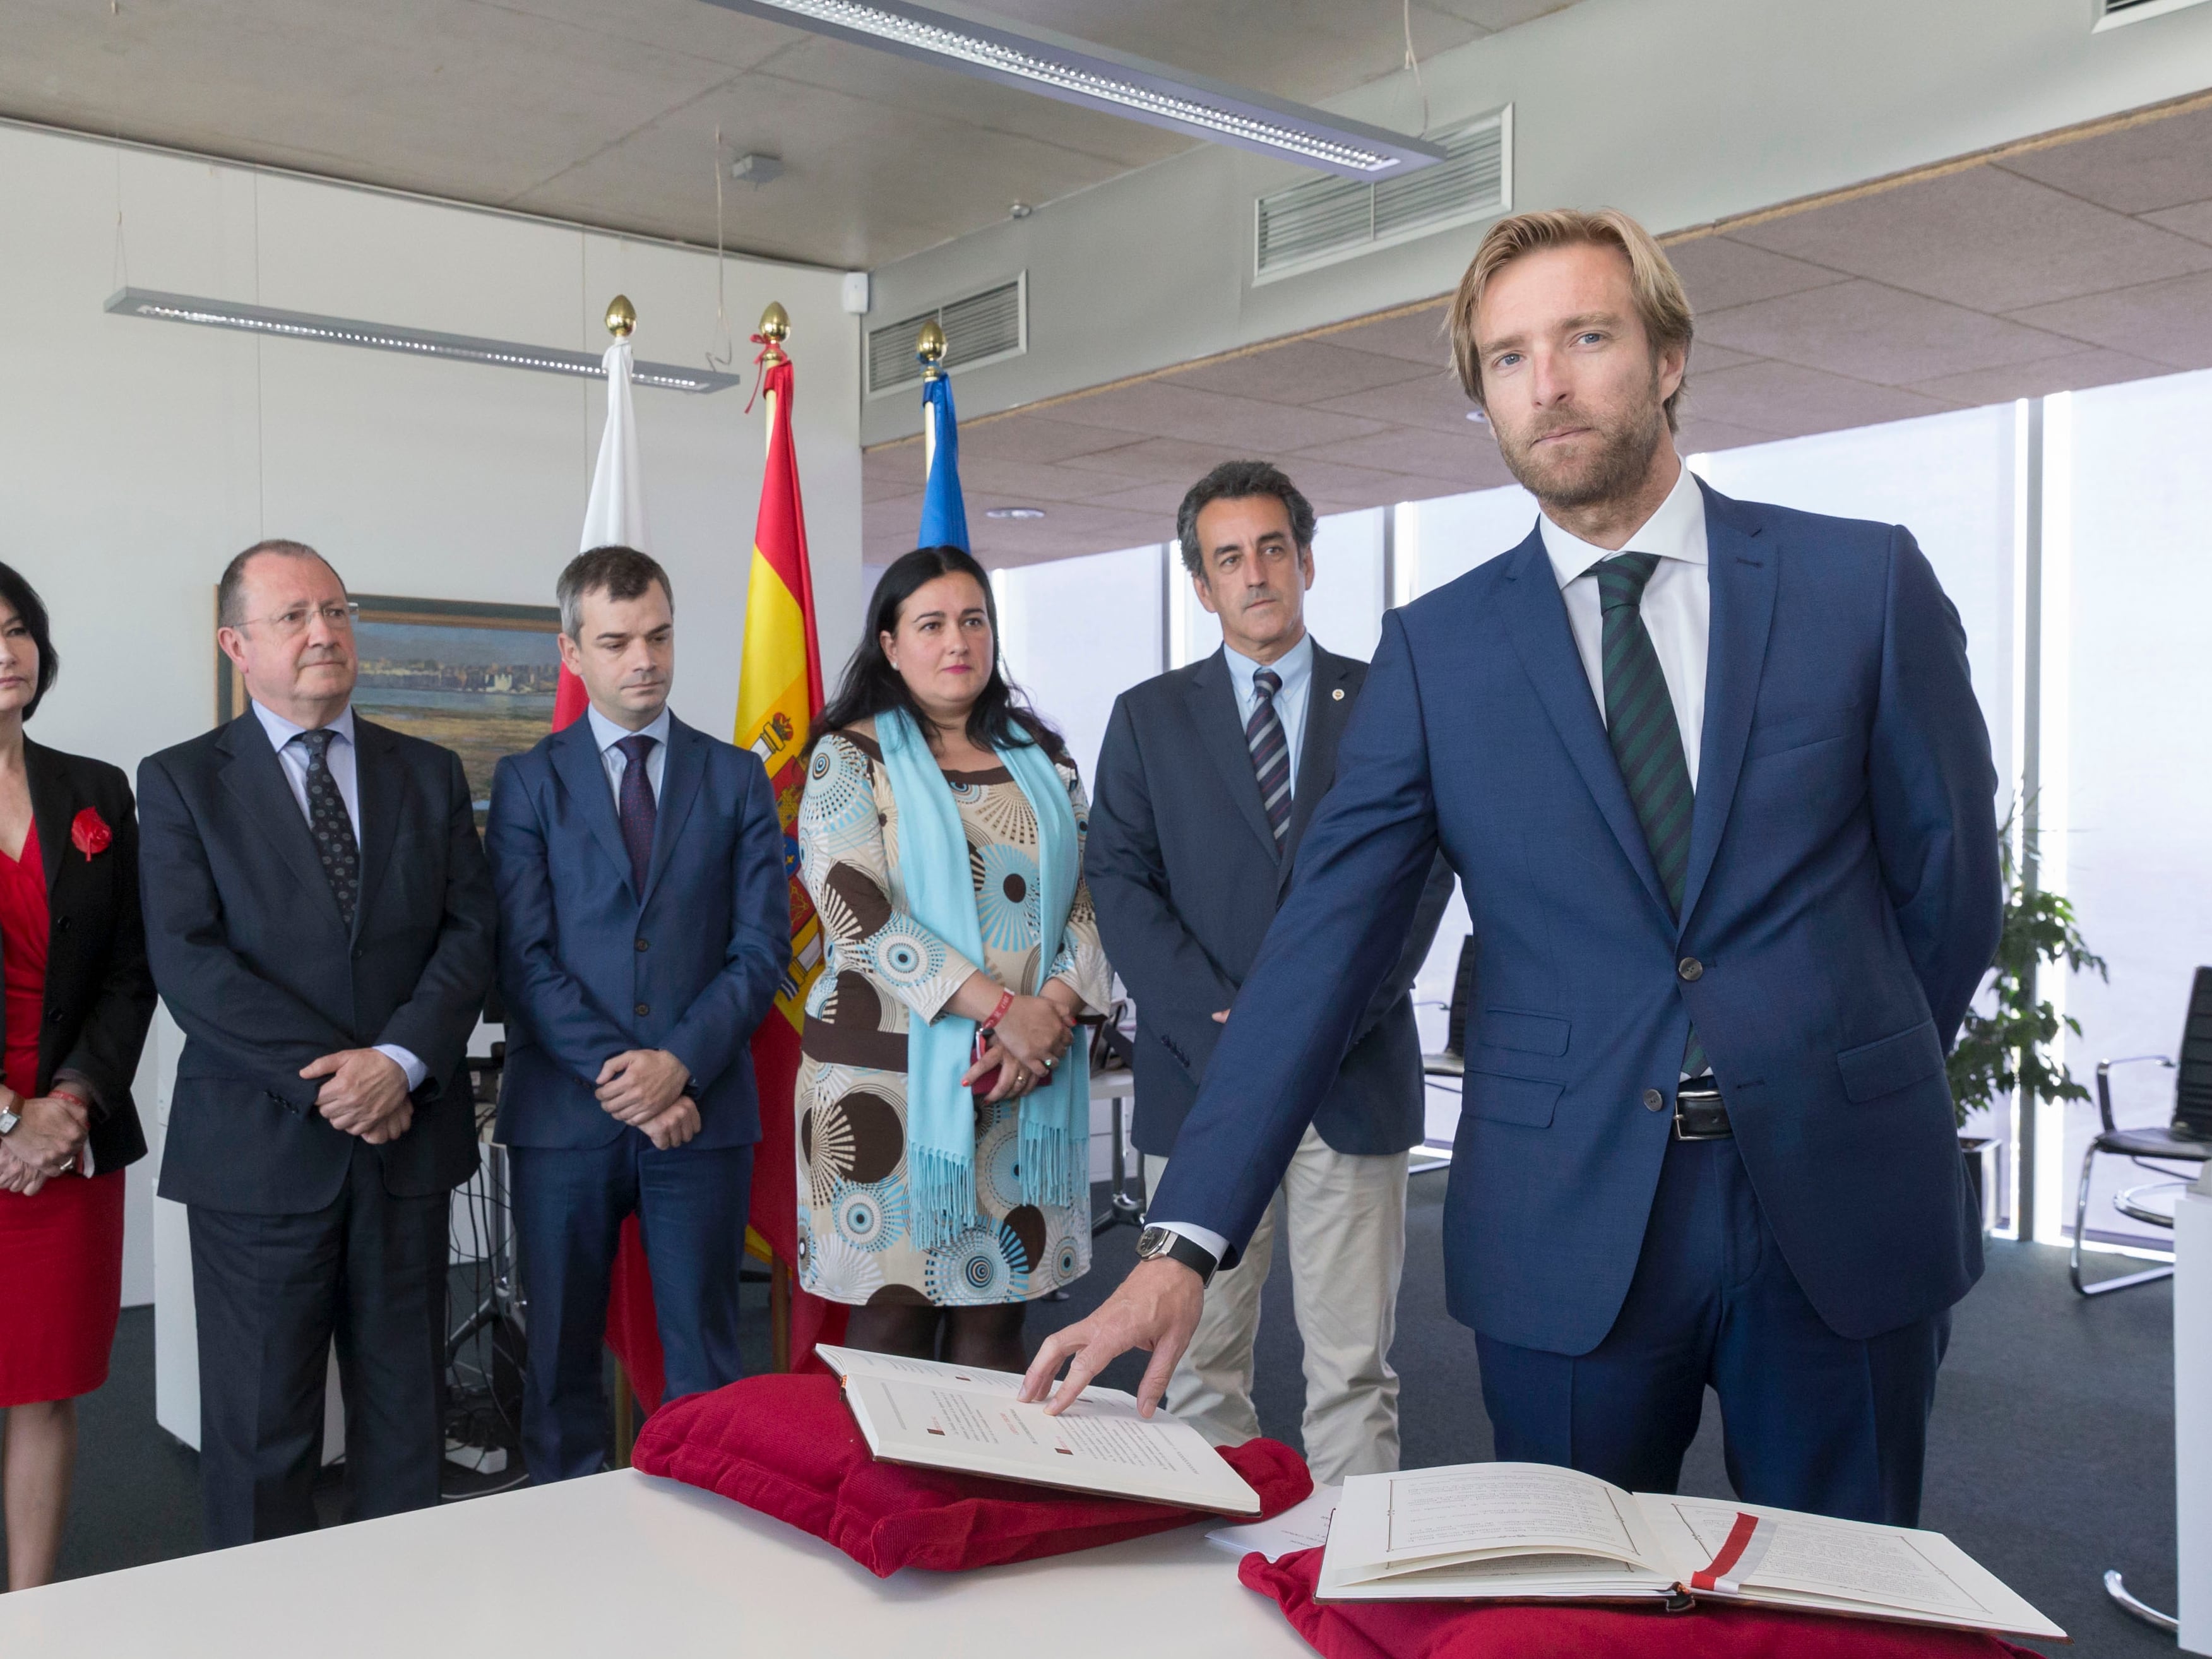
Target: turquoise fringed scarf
{"type": "Point", "coordinates": [940, 895]}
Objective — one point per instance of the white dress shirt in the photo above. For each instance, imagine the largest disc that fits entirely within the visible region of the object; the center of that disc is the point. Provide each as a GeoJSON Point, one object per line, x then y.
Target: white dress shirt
{"type": "Point", "coordinates": [345, 773]}
{"type": "Point", "coordinates": [607, 734]}
{"type": "Point", "coordinates": [1677, 609]}
{"type": "Point", "coordinates": [1296, 666]}
{"type": "Point", "coordinates": [1677, 602]}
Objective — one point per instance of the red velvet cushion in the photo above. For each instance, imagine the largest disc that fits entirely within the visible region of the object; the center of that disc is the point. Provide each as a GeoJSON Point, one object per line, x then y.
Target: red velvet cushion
{"type": "Point", "coordinates": [1531, 1630]}
{"type": "Point", "coordinates": [787, 1446]}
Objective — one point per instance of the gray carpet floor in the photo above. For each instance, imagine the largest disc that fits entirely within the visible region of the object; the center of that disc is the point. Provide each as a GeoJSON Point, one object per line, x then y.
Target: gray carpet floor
{"type": "Point", "coordinates": [2051, 1453]}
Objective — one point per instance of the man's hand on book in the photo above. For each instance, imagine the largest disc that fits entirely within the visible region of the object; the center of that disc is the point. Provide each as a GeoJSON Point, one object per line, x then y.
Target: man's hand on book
{"type": "Point", "coordinates": [1155, 1307]}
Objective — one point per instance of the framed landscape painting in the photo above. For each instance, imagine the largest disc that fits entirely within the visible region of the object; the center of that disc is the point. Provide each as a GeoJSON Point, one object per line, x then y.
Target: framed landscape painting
{"type": "Point", "coordinates": [475, 678]}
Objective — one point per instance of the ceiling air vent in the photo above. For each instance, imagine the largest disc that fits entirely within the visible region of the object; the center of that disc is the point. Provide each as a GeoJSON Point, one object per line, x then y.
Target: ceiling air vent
{"type": "Point", "coordinates": [983, 327]}
{"type": "Point", "coordinates": [2111, 14]}
{"type": "Point", "coordinates": [1326, 220]}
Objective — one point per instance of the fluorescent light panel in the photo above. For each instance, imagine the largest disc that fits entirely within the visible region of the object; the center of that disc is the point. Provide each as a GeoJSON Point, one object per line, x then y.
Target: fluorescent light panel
{"type": "Point", "coordinates": [420, 343]}
{"type": "Point", "coordinates": [1036, 60]}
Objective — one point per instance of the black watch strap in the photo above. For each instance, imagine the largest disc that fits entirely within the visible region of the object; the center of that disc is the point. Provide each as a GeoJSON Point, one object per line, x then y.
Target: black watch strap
{"type": "Point", "coordinates": [1166, 1241]}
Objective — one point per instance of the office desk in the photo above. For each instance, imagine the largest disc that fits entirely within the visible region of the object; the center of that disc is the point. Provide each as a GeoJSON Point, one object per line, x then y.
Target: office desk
{"type": "Point", "coordinates": [623, 1564]}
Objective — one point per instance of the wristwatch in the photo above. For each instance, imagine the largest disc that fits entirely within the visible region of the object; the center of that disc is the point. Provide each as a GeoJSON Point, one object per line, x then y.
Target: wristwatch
{"type": "Point", "coordinates": [1163, 1241]}
{"type": "Point", "coordinates": [9, 1117]}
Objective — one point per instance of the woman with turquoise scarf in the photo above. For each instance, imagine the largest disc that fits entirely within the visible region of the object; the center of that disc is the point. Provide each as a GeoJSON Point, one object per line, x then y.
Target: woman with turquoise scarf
{"type": "Point", "coordinates": [944, 1102]}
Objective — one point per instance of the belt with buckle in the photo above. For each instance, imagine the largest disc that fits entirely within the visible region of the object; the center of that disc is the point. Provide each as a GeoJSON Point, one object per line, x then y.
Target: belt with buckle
{"type": "Point", "coordinates": [1699, 1112]}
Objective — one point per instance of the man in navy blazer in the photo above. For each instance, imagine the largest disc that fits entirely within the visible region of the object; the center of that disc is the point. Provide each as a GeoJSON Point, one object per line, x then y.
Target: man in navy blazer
{"type": "Point", "coordinates": [1207, 779]}
{"type": "Point", "coordinates": [1720, 799]}
{"type": "Point", "coordinates": [644, 925]}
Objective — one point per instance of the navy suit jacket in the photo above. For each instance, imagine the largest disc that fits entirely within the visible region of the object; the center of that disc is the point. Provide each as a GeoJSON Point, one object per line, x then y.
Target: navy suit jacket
{"type": "Point", "coordinates": [1841, 906]}
{"type": "Point", "coordinates": [1186, 875]}
{"type": "Point", "coordinates": [252, 955]}
{"type": "Point", "coordinates": [589, 968]}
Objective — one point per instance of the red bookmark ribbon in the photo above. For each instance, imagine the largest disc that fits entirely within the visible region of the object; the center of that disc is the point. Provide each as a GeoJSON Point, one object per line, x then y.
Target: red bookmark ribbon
{"type": "Point", "coordinates": [1731, 1552]}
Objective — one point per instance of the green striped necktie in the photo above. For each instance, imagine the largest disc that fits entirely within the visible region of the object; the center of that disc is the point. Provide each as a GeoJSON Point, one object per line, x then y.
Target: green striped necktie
{"type": "Point", "coordinates": [1647, 742]}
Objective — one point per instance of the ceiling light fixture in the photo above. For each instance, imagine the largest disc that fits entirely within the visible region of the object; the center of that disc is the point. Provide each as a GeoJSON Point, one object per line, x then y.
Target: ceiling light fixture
{"type": "Point", "coordinates": [420, 343]}
{"type": "Point", "coordinates": [1013, 513]}
{"type": "Point", "coordinates": [993, 48]}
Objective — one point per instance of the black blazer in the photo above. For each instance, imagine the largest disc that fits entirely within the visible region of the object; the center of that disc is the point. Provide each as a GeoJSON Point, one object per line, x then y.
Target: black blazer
{"type": "Point", "coordinates": [1184, 869]}
{"type": "Point", "coordinates": [99, 998]}
{"type": "Point", "coordinates": [250, 952]}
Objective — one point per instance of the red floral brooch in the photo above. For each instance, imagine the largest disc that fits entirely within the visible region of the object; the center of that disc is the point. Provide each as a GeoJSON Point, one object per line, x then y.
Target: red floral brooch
{"type": "Point", "coordinates": [89, 833]}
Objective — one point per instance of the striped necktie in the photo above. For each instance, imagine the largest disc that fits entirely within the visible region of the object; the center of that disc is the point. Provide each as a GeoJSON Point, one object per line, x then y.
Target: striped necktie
{"type": "Point", "coordinates": [328, 820]}
{"type": "Point", "coordinates": [1271, 753]}
{"type": "Point", "coordinates": [1647, 741]}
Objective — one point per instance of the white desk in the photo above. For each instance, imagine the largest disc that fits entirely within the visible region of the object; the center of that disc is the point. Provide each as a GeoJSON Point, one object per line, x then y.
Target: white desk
{"type": "Point", "coordinates": [622, 1565]}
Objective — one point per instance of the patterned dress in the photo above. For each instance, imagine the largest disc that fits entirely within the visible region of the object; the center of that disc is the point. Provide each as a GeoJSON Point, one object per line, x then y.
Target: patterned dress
{"type": "Point", "coordinates": [883, 969]}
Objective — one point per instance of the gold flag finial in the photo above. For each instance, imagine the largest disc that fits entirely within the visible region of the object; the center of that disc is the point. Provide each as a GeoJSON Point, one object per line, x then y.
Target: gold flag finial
{"type": "Point", "coordinates": [929, 346]}
{"type": "Point", "coordinates": [776, 323]}
{"type": "Point", "coordinates": [621, 316]}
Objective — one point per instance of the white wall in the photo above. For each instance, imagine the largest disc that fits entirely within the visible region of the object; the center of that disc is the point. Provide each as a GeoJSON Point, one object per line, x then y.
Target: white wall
{"type": "Point", "coordinates": [135, 456]}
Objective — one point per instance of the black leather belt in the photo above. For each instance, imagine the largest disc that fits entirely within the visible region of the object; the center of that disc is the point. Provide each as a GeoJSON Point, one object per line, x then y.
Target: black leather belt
{"type": "Point", "coordinates": [1699, 1112]}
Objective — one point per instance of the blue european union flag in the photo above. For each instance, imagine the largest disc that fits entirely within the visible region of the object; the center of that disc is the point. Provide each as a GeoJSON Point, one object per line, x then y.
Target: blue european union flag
{"type": "Point", "coordinates": [944, 514]}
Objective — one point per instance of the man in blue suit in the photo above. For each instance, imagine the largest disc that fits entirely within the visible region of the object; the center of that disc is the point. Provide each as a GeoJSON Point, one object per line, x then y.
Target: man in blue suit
{"type": "Point", "coordinates": [1721, 800]}
{"type": "Point", "coordinates": [644, 924]}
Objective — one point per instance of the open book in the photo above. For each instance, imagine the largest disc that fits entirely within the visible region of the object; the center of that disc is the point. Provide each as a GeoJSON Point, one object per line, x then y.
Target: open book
{"type": "Point", "coordinates": [1530, 1531]}
{"type": "Point", "coordinates": [961, 1417]}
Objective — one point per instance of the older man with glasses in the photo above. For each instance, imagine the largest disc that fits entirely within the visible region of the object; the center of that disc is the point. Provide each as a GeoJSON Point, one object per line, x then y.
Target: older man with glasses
{"type": "Point", "coordinates": [319, 921]}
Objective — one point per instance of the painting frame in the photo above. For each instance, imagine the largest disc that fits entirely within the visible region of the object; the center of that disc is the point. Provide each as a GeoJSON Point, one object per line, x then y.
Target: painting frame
{"type": "Point", "coordinates": [474, 626]}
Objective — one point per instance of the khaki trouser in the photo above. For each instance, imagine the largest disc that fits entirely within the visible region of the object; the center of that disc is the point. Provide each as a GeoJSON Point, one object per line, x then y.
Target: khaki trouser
{"type": "Point", "coordinates": [1346, 1218]}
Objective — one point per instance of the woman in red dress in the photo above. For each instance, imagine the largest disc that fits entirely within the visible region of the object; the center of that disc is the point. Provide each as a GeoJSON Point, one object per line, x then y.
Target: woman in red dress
{"type": "Point", "coordinates": [75, 1000]}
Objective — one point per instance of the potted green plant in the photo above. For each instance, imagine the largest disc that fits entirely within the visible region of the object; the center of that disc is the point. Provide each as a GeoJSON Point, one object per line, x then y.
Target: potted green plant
{"type": "Point", "coordinates": [2007, 1050]}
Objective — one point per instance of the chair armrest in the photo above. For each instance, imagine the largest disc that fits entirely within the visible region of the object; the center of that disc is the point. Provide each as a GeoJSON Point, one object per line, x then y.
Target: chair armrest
{"type": "Point", "coordinates": [2105, 1089]}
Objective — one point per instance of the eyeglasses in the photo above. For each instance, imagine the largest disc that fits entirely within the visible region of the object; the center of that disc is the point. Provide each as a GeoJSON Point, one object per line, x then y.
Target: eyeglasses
{"type": "Point", "coordinates": [290, 624]}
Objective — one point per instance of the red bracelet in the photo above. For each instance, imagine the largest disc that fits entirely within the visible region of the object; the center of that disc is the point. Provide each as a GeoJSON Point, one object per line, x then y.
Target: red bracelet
{"type": "Point", "coordinates": [1006, 1002]}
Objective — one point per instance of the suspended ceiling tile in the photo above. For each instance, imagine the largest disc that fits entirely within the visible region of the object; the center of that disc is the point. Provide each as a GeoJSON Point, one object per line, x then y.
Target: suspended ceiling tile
{"type": "Point", "coordinates": [1336, 480]}
{"type": "Point", "coordinates": [1041, 438]}
{"type": "Point", "coordinates": [1063, 530]}
{"type": "Point", "coordinates": [1015, 484]}
{"type": "Point", "coordinates": [1424, 454]}
{"type": "Point", "coordinates": [1706, 357]}
{"type": "Point", "coordinates": [1158, 496]}
{"type": "Point", "coordinates": [1417, 335]}
{"type": "Point", "coordinates": [2168, 322]}
{"type": "Point", "coordinates": [1155, 458]}
{"type": "Point", "coordinates": [1790, 401]}
{"type": "Point", "coordinates": [2075, 371]}
{"type": "Point", "coordinates": [2193, 220]}
{"type": "Point", "coordinates": [1301, 372]}
{"type": "Point", "coordinates": [1436, 400]}
{"type": "Point", "coordinates": [1158, 408]}
{"type": "Point", "coordinates": [1720, 271]}
{"type": "Point", "coordinates": [864, 180]}
{"type": "Point", "coordinates": [1873, 333]}
{"type": "Point", "coordinates": [2159, 163]}
{"type": "Point", "coordinates": [1982, 238]}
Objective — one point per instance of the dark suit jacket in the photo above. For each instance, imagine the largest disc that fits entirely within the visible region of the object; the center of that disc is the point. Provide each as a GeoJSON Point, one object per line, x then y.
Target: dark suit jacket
{"type": "Point", "coordinates": [589, 968]}
{"type": "Point", "coordinates": [99, 998]}
{"type": "Point", "coordinates": [250, 951]}
{"type": "Point", "coordinates": [1185, 873]}
{"type": "Point", "coordinates": [1841, 906]}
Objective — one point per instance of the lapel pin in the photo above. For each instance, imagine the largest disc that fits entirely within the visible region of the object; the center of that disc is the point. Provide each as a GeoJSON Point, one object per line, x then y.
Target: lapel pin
{"type": "Point", "coordinates": [1337, 694]}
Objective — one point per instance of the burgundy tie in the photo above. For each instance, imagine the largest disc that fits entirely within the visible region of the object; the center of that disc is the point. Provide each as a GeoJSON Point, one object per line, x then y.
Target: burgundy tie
{"type": "Point", "coordinates": [638, 809]}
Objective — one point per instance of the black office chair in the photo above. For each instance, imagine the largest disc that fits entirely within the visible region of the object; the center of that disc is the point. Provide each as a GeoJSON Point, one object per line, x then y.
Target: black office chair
{"type": "Point", "coordinates": [2186, 1140]}
{"type": "Point", "coordinates": [1452, 1061]}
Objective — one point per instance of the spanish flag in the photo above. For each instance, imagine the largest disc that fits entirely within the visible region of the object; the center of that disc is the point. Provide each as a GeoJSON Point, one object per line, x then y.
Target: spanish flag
{"type": "Point", "coordinates": [779, 695]}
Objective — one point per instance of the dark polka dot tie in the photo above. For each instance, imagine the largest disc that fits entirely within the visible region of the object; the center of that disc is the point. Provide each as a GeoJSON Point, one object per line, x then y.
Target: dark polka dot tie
{"type": "Point", "coordinates": [327, 822]}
